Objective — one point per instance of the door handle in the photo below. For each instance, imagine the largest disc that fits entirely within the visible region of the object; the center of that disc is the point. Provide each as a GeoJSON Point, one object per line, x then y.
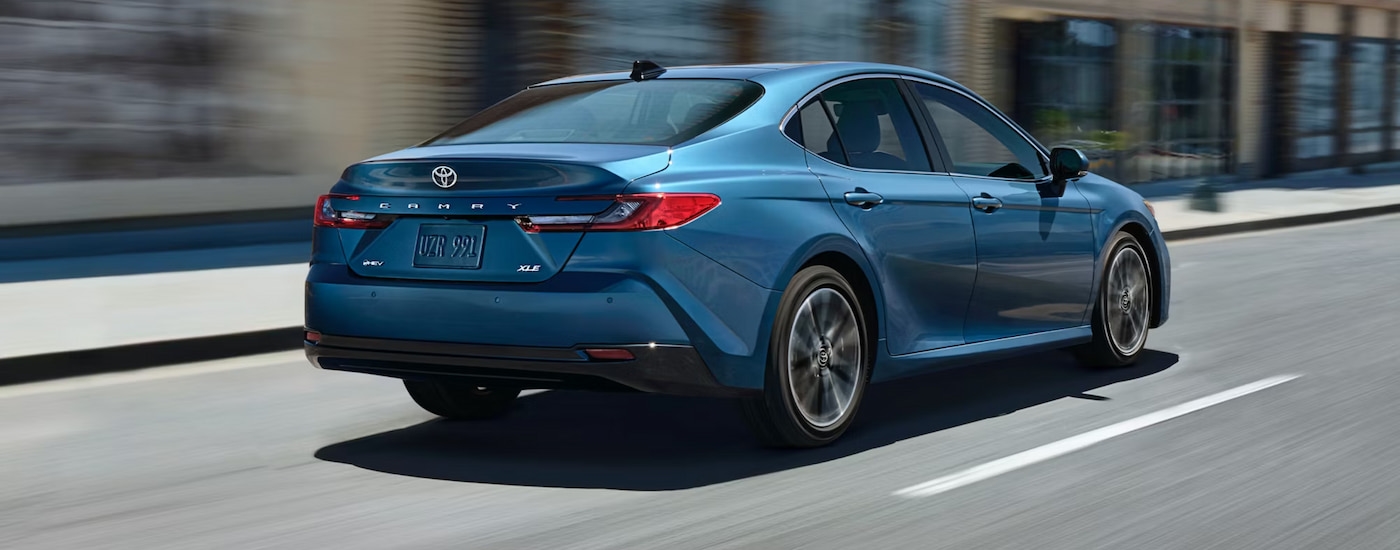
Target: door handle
{"type": "Point", "coordinates": [986, 203]}
{"type": "Point", "coordinates": [863, 198]}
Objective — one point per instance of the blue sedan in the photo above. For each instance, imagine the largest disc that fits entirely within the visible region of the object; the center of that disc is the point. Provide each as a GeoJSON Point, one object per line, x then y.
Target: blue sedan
{"type": "Point", "coordinates": [783, 234]}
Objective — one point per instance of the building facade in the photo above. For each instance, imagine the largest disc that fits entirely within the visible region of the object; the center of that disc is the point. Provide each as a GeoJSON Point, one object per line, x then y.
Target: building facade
{"type": "Point", "coordinates": [259, 103]}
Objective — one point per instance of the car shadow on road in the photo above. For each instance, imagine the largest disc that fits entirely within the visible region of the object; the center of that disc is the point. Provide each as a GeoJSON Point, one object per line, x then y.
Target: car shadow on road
{"type": "Point", "coordinates": [643, 442]}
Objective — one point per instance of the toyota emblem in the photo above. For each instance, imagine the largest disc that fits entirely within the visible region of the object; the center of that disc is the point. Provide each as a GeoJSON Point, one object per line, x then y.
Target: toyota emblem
{"type": "Point", "coordinates": [444, 176]}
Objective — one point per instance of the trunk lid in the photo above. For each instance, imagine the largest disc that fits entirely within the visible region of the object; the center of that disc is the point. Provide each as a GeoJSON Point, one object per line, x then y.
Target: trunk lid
{"type": "Point", "coordinates": [459, 224]}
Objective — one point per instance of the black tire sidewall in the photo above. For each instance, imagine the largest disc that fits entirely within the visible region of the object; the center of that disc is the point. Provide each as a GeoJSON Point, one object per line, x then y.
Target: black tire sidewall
{"type": "Point", "coordinates": [1107, 351]}
{"type": "Point", "coordinates": [777, 388]}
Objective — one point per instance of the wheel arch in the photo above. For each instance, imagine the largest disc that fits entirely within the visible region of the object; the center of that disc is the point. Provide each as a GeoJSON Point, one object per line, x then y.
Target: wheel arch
{"type": "Point", "coordinates": [846, 257]}
{"type": "Point", "coordinates": [1139, 230]}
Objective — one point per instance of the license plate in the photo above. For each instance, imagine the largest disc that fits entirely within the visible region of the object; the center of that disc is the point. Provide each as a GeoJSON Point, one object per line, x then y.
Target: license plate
{"type": "Point", "coordinates": [449, 246]}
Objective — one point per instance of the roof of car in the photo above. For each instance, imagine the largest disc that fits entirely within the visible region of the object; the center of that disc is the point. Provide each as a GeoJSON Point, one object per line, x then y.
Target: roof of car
{"type": "Point", "coordinates": [764, 71]}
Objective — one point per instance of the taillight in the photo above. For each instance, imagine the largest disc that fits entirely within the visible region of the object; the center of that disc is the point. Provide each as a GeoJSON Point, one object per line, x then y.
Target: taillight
{"type": "Point", "coordinates": [328, 216]}
{"type": "Point", "coordinates": [641, 212]}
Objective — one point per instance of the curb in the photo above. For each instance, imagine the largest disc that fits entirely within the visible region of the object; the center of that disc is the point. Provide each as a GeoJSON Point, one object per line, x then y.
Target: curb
{"type": "Point", "coordinates": [37, 368]}
{"type": "Point", "coordinates": [1279, 223]}
{"type": "Point", "coordinates": [52, 366]}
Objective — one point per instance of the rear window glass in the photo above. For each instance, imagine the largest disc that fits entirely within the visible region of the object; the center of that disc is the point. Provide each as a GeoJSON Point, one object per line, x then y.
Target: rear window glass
{"type": "Point", "coordinates": [651, 112]}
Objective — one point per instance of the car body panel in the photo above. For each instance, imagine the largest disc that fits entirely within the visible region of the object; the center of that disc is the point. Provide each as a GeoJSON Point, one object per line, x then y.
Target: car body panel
{"type": "Point", "coordinates": [1035, 257]}
{"type": "Point", "coordinates": [1119, 207]}
{"type": "Point", "coordinates": [920, 238]}
{"type": "Point", "coordinates": [714, 284]}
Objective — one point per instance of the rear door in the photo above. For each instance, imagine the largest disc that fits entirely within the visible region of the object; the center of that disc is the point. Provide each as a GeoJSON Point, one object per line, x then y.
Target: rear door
{"type": "Point", "coordinates": [1035, 254]}
{"type": "Point", "coordinates": [913, 224]}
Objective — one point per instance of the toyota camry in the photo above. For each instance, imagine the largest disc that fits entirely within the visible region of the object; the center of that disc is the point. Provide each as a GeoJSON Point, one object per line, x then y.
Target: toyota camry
{"type": "Point", "coordinates": [782, 234]}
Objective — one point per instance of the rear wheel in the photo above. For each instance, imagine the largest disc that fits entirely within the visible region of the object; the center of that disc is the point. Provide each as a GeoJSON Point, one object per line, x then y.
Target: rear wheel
{"type": "Point", "coordinates": [818, 364]}
{"type": "Point", "coordinates": [1124, 307]}
{"type": "Point", "coordinates": [460, 401]}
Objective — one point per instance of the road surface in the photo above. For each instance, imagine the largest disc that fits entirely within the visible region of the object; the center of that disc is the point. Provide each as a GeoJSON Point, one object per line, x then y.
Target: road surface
{"type": "Point", "coordinates": [1183, 451]}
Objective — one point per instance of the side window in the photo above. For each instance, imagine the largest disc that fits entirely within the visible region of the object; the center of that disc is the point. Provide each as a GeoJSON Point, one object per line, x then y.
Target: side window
{"type": "Point", "coordinates": [978, 142]}
{"type": "Point", "coordinates": [876, 126]}
{"type": "Point", "coordinates": [812, 129]}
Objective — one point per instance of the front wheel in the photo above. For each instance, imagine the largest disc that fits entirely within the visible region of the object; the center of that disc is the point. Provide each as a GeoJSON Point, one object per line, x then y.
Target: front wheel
{"type": "Point", "coordinates": [460, 401]}
{"type": "Point", "coordinates": [1124, 307]}
{"type": "Point", "coordinates": [818, 363]}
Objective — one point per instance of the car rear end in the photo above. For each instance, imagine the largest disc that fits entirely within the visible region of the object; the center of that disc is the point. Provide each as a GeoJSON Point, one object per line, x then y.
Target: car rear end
{"type": "Point", "coordinates": [511, 250]}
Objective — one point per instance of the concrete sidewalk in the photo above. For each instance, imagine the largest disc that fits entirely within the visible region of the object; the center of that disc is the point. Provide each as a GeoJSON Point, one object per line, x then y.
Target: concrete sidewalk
{"type": "Point", "coordinates": [51, 320]}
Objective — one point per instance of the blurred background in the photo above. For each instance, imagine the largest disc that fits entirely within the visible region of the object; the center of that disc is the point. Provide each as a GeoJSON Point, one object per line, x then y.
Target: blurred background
{"type": "Point", "coordinates": [159, 160]}
{"type": "Point", "coordinates": [120, 108]}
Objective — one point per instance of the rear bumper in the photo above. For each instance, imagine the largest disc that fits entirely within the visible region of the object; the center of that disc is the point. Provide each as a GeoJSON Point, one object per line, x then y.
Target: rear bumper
{"type": "Point", "coordinates": [656, 368]}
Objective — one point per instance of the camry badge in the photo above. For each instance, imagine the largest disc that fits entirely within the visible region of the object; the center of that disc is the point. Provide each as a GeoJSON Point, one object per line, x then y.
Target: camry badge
{"type": "Point", "coordinates": [444, 176]}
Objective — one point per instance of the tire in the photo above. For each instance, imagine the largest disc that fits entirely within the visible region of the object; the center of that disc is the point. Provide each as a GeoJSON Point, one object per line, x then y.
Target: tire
{"type": "Point", "coordinates": [810, 399]}
{"type": "Point", "coordinates": [1123, 311]}
{"type": "Point", "coordinates": [460, 401]}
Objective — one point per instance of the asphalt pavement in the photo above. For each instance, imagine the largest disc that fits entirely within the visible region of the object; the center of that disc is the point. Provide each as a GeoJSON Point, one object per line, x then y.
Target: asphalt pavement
{"type": "Point", "coordinates": [265, 452]}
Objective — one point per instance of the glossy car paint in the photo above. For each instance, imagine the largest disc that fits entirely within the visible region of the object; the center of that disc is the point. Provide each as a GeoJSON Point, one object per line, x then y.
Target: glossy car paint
{"type": "Point", "coordinates": [1035, 260]}
{"type": "Point", "coordinates": [919, 239]}
{"type": "Point", "coordinates": [715, 283]}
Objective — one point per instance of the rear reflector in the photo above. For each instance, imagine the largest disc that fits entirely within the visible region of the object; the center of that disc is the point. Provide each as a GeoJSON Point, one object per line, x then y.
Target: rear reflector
{"type": "Point", "coordinates": [642, 212]}
{"type": "Point", "coordinates": [609, 354]}
{"type": "Point", "coordinates": [313, 337]}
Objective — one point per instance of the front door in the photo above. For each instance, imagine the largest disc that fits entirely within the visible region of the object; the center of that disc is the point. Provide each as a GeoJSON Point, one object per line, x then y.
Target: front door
{"type": "Point", "coordinates": [1035, 254]}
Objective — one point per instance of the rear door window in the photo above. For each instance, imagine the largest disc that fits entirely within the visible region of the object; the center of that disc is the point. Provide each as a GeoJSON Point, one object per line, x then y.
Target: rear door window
{"type": "Point", "coordinates": [811, 128]}
{"type": "Point", "coordinates": [876, 126]}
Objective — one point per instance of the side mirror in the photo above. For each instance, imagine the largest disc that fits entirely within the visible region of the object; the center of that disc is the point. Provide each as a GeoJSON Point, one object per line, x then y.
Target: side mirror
{"type": "Point", "coordinates": [1067, 163]}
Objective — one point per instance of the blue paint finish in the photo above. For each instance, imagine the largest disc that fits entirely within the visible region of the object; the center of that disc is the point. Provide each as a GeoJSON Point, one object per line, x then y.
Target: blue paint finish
{"type": "Point", "coordinates": [326, 246]}
{"type": "Point", "coordinates": [951, 285]}
{"type": "Point", "coordinates": [1035, 260]}
{"type": "Point", "coordinates": [1118, 207]}
{"type": "Point", "coordinates": [589, 308]}
{"type": "Point", "coordinates": [921, 241]}
{"type": "Point", "coordinates": [893, 367]}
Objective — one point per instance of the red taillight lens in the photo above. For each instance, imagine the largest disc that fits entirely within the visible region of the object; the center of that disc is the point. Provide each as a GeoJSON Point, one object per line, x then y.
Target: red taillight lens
{"type": "Point", "coordinates": [641, 212]}
{"type": "Point", "coordinates": [328, 216]}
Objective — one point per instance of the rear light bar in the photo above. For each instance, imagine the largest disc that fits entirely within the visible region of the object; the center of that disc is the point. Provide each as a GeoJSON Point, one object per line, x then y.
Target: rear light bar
{"type": "Point", "coordinates": [328, 216]}
{"type": "Point", "coordinates": [640, 212]}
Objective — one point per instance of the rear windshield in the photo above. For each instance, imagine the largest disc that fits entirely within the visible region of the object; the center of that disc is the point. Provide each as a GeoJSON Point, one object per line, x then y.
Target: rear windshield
{"type": "Point", "coordinates": [651, 112]}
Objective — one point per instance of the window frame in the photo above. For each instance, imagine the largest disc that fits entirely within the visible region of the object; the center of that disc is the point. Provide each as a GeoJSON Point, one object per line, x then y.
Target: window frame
{"type": "Point", "coordinates": [937, 163]}
{"type": "Point", "coordinates": [1041, 151]}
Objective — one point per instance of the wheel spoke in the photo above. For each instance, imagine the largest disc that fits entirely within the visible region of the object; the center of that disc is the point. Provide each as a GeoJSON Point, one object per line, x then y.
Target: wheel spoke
{"type": "Point", "coordinates": [843, 330]}
{"type": "Point", "coordinates": [806, 384]}
{"type": "Point", "coordinates": [831, 406]}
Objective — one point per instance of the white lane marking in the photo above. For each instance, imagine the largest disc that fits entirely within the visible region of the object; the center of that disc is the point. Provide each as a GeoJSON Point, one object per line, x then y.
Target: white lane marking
{"type": "Point", "coordinates": [157, 373]}
{"type": "Point", "coordinates": [1066, 446]}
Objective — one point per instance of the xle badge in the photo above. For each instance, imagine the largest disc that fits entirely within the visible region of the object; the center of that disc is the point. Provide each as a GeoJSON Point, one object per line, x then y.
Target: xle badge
{"type": "Point", "coordinates": [528, 269]}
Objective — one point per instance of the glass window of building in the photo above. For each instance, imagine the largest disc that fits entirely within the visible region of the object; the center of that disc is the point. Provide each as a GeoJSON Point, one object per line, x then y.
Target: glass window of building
{"type": "Point", "coordinates": [1395, 108]}
{"type": "Point", "coordinates": [1367, 119]}
{"type": "Point", "coordinates": [1316, 109]}
{"type": "Point", "coordinates": [1065, 84]}
{"type": "Point", "coordinates": [616, 32]}
{"type": "Point", "coordinates": [1190, 133]}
